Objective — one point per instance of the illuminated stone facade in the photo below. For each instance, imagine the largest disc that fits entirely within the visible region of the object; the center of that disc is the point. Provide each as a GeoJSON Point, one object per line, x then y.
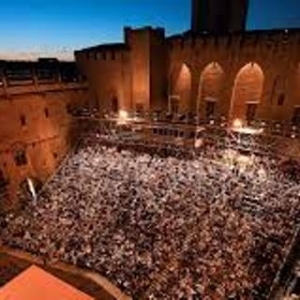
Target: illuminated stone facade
{"type": "Point", "coordinates": [247, 75]}
{"type": "Point", "coordinates": [252, 75]}
{"type": "Point", "coordinates": [128, 76]}
{"type": "Point", "coordinates": [35, 124]}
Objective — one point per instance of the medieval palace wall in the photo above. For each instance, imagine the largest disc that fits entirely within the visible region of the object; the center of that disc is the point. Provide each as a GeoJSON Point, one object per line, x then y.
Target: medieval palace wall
{"type": "Point", "coordinates": [236, 72]}
{"type": "Point", "coordinates": [246, 75]}
{"type": "Point", "coordinates": [35, 128]}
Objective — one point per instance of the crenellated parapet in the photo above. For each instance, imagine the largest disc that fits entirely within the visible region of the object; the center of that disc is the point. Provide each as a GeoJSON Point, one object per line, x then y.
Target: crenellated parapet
{"type": "Point", "coordinates": [263, 44]}
{"type": "Point", "coordinates": [127, 75]}
{"type": "Point", "coordinates": [105, 52]}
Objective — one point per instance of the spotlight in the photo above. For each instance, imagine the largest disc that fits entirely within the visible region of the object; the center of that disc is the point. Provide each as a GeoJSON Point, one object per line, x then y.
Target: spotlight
{"type": "Point", "coordinates": [237, 123]}
{"type": "Point", "coordinates": [123, 114]}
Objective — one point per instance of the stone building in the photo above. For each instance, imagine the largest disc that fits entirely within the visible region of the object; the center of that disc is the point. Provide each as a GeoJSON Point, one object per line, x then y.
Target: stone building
{"type": "Point", "coordinates": [207, 70]}
{"type": "Point", "coordinates": [35, 120]}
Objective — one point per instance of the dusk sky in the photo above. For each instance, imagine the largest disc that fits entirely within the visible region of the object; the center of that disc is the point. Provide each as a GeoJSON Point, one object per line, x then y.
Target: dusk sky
{"type": "Point", "coordinates": [57, 27]}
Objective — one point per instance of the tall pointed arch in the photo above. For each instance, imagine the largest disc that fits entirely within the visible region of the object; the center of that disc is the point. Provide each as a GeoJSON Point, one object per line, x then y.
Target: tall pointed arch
{"type": "Point", "coordinates": [247, 92]}
{"type": "Point", "coordinates": [181, 90]}
{"type": "Point", "coordinates": [210, 89]}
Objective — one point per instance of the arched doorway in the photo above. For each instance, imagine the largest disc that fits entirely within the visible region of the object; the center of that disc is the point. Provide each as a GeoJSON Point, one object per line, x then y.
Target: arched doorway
{"type": "Point", "coordinates": [210, 90]}
{"type": "Point", "coordinates": [180, 97]}
{"type": "Point", "coordinates": [247, 92]}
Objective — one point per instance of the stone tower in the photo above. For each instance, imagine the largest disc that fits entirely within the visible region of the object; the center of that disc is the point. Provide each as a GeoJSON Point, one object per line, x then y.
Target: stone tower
{"type": "Point", "coordinates": [219, 16]}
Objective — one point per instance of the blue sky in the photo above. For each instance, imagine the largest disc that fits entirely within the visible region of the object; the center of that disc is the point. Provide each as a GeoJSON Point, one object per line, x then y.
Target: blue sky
{"type": "Point", "coordinates": [50, 26]}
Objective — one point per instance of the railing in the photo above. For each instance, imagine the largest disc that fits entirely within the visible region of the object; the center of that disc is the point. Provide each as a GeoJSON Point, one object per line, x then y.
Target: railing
{"type": "Point", "coordinates": [269, 128]}
{"type": "Point", "coordinates": [281, 279]}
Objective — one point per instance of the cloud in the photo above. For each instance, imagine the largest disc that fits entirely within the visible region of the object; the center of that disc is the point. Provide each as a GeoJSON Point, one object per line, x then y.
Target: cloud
{"type": "Point", "coordinates": [64, 55]}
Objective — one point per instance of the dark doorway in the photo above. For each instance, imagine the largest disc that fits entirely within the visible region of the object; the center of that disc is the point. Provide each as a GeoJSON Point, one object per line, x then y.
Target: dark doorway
{"type": "Point", "coordinates": [251, 112]}
{"type": "Point", "coordinates": [115, 105]}
{"type": "Point", "coordinates": [210, 109]}
{"type": "Point", "coordinates": [20, 158]}
{"type": "Point", "coordinates": [174, 105]}
{"type": "Point", "coordinates": [139, 108]}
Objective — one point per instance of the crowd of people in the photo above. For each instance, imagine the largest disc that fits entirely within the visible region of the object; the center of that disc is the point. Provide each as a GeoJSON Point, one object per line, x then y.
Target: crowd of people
{"type": "Point", "coordinates": [216, 225]}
